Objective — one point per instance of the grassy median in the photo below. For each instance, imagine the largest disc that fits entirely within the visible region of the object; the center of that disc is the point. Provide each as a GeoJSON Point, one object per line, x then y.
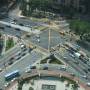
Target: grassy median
{"type": "Point", "coordinates": [9, 43]}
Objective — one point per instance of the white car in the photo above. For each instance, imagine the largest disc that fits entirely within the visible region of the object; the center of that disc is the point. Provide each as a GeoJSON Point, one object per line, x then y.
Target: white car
{"type": "Point", "coordinates": [7, 84]}
{"type": "Point", "coordinates": [13, 79]}
{"type": "Point", "coordinates": [0, 70]}
{"type": "Point", "coordinates": [72, 55]}
{"type": "Point", "coordinates": [28, 70]}
{"type": "Point", "coordinates": [38, 40]}
{"type": "Point", "coordinates": [12, 22]}
{"type": "Point", "coordinates": [37, 36]}
{"type": "Point", "coordinates": [84, 76]}
{"type": "Point", "coordinates": [22, 46]}
{"type": "Point", "coordinates": [88, 84]}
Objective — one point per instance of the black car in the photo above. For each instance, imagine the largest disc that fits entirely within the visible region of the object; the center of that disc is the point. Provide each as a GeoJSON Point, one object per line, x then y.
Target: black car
{"type": "Point", "coordinates": [11, 58]}
{"type": "Point", "coordinates": [85, 70]}
{"type": "Point", "coordinates": [23, 54]}
{"type": "Point", "coordinates": [21, 24]}
{"type": "Point", "coordinates": [17, 29]}
{"type": "Point", "coordinates": [1, 27]}
{"type": "Point", "coordinates": [88, 69]}
{"type": "Point", "coordinates": [8, 26]}
{"type": "Point", "coordinates": [17, 58]}
{"type": "Point", "coordinates": [10, 62]}
{"type": "Point", "coordinates": [33, 67]}
{"type": "Point", "coordinates": [45, 68]}
{"type": "Point", "coordinates": [24, 49]}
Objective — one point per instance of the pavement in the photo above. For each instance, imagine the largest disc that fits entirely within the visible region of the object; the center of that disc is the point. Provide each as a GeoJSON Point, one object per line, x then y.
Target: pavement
{"type": "Point", "coordinates": [21, 65]}
{"type": "Point", "coordinates": [54, 39]}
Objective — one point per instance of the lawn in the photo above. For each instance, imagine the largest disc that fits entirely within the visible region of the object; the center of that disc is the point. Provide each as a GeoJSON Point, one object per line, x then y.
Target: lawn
{"type": "Point", "coordinates": [55, 61]}
{"type": "Point", "coordinates": [9, 43]}
{"type": "Point", "coordinates": [40, 27]}
{"type": "Point", "coordinates": [52, 61]}
{"type": "Point", "coordinates": [39, 19]}
{"type": "Point", "coordinates": [44, 61]}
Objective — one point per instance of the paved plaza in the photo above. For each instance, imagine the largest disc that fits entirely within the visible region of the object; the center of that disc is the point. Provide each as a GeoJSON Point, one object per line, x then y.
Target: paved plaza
{"type": "Point", "coordinates": [45, 85]}
{"type": "Point", "coordinates": [51, 85]}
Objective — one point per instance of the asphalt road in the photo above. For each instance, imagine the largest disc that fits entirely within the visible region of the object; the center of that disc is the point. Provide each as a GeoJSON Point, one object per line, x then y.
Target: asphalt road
{"type": "Point", "coordinates": [20, 65]}
{"type": "Point", "coordinates": [78, 67]}
{"type": "Point", "coordinates": [11, 31]}
{"type": "Point", "coordinates": [55, 39]}
{"type": "Point", "coordinates": [5, 57]}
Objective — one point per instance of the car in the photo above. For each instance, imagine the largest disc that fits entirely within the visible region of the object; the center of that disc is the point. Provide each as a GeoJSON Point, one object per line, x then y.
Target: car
{"type": "Point", "coordinates": [33, 67]}
{"type": "Point", "coordinates": [18, 36]}
{"type": "Point", "coordinates": [85, 70]}
{"type": "Point", "coordinates": [76, 62]}
{"type": "Point", "coordinates": [23, 54]}
{"type": "Point", "coordinates": [21, 24]}
{"type": "Point", "coordinates": [0, 70]}
{"type": "Point", "coordinates": [18, 57]}
{"type": "Point", "coordinates": [65, 57]}
{"type": "Point", "coordinates": [72, 74]}
{"type": "Point", "coordinates": [12, 22]}
{"type": "Point", "coordinates": [63, 68]}
{"type": "Point", "coordinates": [11, 58]}
{"type": "Point", "coordinates": [72, 55]}
{"type": "Point", "coordinates": [84, 76]}
{"type": "Point", "coordinates": [17, 29]}
{"type": "Point", "coordinates": [30, 49]}
{"type": "Point", "coordinates": [22, 46]}
{"type": "Point", "coordinates": [1, 27]}
{"type": "Point", "coordinates": [28, 25]}
{"type": "Point", "coordinates": [24, 49]}
{"type": "Point", "coordinates": [88, 69]}
{"type": "Point", "coordinates": [18, 54]}
{"type": "Point", "coordinates": [10, 62]}
{"type": "Point", "coordinates": [88, 84]}
{"type": "Point", "coordinates": [28, 70]}
{"type": "Point", "coordinates": [37, 36]}
{"type": "Point", "coordinates": [45, 68]}
{"type": "Point", "coordinates": [38, 40]}
{"type": "Point", "coordinates": [84, 61]}
{"type": "Point", "coordinates": [8, 26]}
{"type": "Point", "coordinates": [13, 79]}
{"type": "Point", "coordinates": [7, 84]}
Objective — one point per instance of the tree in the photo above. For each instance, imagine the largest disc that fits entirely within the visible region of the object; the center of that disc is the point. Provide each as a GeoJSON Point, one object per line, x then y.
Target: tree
{"type": "Point", "coordinates": [81, 28]}
{"type": "Point", "coordinates": [3, 2]}
{"type": "Point", "coordinates": [31, 88]}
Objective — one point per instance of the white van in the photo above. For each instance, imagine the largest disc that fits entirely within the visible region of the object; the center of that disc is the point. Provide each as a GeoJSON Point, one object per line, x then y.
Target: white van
{"type": "Point", "coordinates": [88, 84]}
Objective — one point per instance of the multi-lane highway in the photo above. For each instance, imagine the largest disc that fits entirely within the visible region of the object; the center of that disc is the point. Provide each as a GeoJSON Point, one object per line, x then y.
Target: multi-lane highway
{"type": "Point", "coordinates": [6, 57]}
{"type": "Point", "coordinates": [21, 64]}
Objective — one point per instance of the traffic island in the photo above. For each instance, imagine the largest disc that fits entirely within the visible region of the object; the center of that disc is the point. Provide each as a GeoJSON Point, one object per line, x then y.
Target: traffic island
{"type": "Point", "coordinates": [9, 43]}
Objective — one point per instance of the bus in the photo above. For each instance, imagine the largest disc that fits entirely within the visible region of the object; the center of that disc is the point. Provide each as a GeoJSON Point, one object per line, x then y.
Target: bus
{"type": "Point", "coordinates": [12, 75]}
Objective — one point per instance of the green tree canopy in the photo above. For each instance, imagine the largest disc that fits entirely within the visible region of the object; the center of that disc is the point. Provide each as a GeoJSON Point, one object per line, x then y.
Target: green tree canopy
{"type": "Point", "coordinates": [81, 28]}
